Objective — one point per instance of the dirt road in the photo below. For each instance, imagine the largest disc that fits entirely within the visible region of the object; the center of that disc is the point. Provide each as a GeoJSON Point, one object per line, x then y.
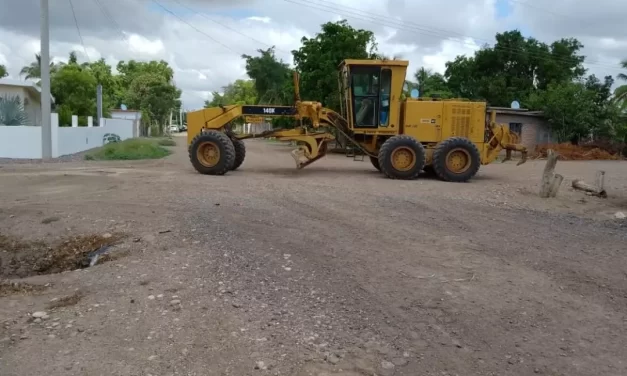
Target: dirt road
{"type": "Point", "coordinates": [330, 270]}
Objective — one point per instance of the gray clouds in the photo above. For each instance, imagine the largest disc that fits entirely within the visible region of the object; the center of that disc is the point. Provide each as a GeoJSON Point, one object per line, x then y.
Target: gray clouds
{"type": "Point", "coordinates": [427, 32]}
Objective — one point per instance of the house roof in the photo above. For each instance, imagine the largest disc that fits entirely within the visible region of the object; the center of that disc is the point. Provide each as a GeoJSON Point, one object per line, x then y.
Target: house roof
{"type": "Point", "coordinates": [121, 110]}
{"type": "Point", "coordinates": [29, 85]}
{"type": "Point", "coordinates": [516, 111]}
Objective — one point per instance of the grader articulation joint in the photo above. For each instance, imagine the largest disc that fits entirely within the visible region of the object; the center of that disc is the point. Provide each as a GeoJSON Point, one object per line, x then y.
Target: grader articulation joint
{"type": "Point", "coordinates": [401, 137]}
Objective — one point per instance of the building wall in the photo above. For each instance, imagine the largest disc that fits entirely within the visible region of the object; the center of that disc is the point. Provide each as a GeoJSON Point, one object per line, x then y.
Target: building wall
{"type": "Point", "coordinates": [32, 106]}
{"type": "Point", "coordinates": [535, 130]}
{"type": "Point", "coordinates": [25, 141]}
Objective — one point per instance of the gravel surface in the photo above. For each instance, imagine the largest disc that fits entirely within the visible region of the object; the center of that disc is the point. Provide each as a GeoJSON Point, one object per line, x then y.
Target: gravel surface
{"type": "Point", "coordinates": [329, 270]}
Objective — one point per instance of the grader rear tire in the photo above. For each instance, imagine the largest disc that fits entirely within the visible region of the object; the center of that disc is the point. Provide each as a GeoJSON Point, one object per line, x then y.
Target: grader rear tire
{"type": "Point", "coordinates": [240, 153]}
{"type": "Point", "coordinates": [456, 159]}
{"type": "Point", "coordinates": [212, 153]}
{"type": "Point", "coordinates": [401, 157]}
{"type": "Point", "coordinates": [375, 163]}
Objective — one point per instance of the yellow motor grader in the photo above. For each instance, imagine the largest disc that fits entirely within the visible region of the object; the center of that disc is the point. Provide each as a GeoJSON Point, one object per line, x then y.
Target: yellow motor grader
{"type": "Point", "coordinates": [402, 137]}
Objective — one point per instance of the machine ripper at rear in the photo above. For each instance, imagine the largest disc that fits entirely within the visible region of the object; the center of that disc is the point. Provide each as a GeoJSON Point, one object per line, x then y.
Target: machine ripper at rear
{"type": "Point", "coordinates": [400, 136]}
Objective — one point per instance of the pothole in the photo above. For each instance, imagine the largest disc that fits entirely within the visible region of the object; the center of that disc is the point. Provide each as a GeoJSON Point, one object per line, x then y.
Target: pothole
{"type": "Point", "coordinates": [20, 258]}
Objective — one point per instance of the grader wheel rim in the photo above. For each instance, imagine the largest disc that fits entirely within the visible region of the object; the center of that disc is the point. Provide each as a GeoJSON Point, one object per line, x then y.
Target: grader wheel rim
{"type": "Point", "coordinates": [458, 160]}
{"type": "Point", "coordinates": [403, 158]}
{"type": "Point", "coordinates": [208, 154]}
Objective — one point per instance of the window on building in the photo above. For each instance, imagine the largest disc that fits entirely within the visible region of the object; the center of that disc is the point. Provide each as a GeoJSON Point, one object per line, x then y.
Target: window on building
{"type": "Point", "coordinates": [516, 128]}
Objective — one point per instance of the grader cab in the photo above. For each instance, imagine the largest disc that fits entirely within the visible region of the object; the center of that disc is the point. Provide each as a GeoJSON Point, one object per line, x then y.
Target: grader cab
{"type": "Point", "coordinates": [401, 137]}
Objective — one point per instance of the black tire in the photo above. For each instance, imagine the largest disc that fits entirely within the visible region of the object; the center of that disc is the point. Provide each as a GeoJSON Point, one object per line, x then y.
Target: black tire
{"type": "Point", "coordinates": [441, 153]}
{"type": "Point", "coordinates": [240, 153]}
{"type": "Point", "coordinates": [386, 153]}
{"type": "Point", "coordinates": [223, 144]}
{"type": "Point", "coordinates": [375, 163]}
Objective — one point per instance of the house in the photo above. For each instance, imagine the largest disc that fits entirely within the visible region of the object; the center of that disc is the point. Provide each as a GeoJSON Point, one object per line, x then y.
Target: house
{"type": "Point", "coordinates": [134, 115]}
{"type": "Point", "coordinates": [117, 113]}
{"type": "Point", "coordinates": [531, 126]}
{"type": "Point", "coordinates": [29, 94]}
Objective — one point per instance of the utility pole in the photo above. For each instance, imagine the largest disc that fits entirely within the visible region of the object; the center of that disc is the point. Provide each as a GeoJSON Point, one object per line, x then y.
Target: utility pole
{"type": "Point", "coordinates": [46, 127]}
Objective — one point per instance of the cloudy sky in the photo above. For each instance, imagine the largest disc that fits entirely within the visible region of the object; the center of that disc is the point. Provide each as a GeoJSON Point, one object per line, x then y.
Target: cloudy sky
{"type": "Point", "coordinates": [204, 39]}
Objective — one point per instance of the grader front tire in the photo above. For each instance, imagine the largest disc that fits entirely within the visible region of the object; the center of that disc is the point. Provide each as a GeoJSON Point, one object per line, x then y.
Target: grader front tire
{"type": "Point", "coordinates": [240, 153]}
{"type": "Point", "coordinates": [456, 159]}
{"type": "Point", "coordinates": [402, 157]}
{"type": "Point", "coordinates": [212, 153]}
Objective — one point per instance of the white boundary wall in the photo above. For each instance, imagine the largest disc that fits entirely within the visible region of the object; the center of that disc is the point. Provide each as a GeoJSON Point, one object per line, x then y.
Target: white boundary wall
{"type": "Point", "coordinates": [24, 142]}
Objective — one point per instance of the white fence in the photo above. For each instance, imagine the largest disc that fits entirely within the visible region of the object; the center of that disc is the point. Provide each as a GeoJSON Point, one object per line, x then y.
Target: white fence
{"type": "Point", "coordinates": [24, 142]}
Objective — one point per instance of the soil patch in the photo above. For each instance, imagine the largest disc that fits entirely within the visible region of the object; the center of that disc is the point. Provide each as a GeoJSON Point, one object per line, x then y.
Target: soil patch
{"type": "Point", "coordinates": [19, 288]}
{"type": "Point", "coordinates": [20, 258]}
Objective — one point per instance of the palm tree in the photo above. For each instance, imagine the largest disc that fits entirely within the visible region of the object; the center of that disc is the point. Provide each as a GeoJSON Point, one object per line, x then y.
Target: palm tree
{"type": "Point", "coordinates": [421, 76]}
{"type": "Point", "coordinates": [33, 70]}
{"type": "Point", "coordinates": [620, 94]}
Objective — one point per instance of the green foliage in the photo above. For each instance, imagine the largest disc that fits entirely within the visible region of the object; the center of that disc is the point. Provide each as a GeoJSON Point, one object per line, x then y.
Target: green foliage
{"type": "Point", "coordinates": [238, 92]}
{"type": "Point", "coordinates": [272, 78]}
{"type": "Point", "coordinates": [514, 68]}
{"type": "Point", "coordinates": [430, 84]}
{"type": "Point", "coordinates": [65, 115]}
{"type": "Point", "coordinates": [3, 71]}
{"type": "Point", "coordinates": [131, 149]}
{"type": "Point", "coordinates": [152, 93]}
{"type": "Point", "coordinates": [12, 111]}
{"type": "Point", "coordinates": [147, 85]}
{"type": "Point", "coordinates": [130, 70]}
{"type": "Point", "coordinates": [318, 58]}
{"type": "Point", "coordinates": [75, 87]}
{"type": "Point", "coordinates": [569, 108]}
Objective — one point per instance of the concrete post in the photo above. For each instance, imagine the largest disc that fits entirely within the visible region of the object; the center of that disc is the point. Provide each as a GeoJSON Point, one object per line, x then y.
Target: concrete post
{"type": "Point", "coordinates": [74, 121]}
{"type": "Point", "coordinates": [46, 129]}
{"type": "Point", "coordinates": [90, 121]}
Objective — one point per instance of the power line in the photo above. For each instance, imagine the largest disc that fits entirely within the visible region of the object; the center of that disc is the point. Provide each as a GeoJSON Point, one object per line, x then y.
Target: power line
{"type": "Point", "coordinates": [194, 27]}
{"type": "Point", "coordinates": [108, 15]}
{"type": "Point", "coordinates": [433, 32]}
{"type": "Point", "coordinates": [228, 27]}
{"type": "Point", "coordinates": [79, 30]}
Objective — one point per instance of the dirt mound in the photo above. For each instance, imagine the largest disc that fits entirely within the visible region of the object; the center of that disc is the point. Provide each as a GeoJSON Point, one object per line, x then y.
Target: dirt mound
{"type": "Point", "coordinates": [570, 152]}
{"type": "Point", "coordinates": [19, 258]}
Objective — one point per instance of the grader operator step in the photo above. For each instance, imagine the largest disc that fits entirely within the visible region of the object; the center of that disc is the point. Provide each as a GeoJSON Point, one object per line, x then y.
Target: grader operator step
{"type": "Point", "coordinates": [356, 153]}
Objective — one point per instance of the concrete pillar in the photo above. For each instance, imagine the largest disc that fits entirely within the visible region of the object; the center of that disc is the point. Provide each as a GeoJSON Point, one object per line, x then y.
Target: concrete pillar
{"type": "Point", "coordinates": [74, 121]}
{"type": "Point", "coordinates": [90, 121]}
{"type": "Point", "coordinates": [54, 134]}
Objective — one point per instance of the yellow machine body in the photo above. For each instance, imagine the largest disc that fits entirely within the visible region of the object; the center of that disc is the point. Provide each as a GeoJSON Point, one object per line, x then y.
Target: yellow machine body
{"type": "Point", "coordinates": [398, 135]}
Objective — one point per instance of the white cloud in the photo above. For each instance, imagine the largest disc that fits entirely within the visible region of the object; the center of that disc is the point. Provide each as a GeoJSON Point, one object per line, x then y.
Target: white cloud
{"type": "Point", "coordinates": [265, 20]}
{"type": "Point", "coordinates": [425, 32]}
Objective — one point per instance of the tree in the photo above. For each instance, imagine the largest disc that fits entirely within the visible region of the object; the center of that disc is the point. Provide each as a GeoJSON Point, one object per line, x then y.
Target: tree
{"type": "Point", "coordinates": [112, 90]}
{"type": "Point", "coordinates": [74, 90]}
{"type": "Point", "coordinates": [150, 92]}
{"type": "Point", "coordinates": [132, 69]}
{"type": "Point", "coordinates": [238, 92]}
{"type": "Point", "coordinates": [514, 68]}
{"type": "Point", "coordinates": [33, 70]}
{"type": "Point", "coordinates": [620, 94]}
{"type": "Point", "coordinates": [431, 84]}
{"type": "Point", "coordinates": [3, 71]}
{"type": "Point", "coordinates": [272, 77]}
{"type": "Point", "coordinates": [569, 107]}
{"type": "Point", "coordinates": [318, 58]}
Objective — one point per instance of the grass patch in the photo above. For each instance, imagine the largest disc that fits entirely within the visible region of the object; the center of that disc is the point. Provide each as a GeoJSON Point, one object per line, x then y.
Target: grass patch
{"type": "Point", "coordinates": [131, 149]}
{"type": "Point", "coordinates": [166, 142]}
